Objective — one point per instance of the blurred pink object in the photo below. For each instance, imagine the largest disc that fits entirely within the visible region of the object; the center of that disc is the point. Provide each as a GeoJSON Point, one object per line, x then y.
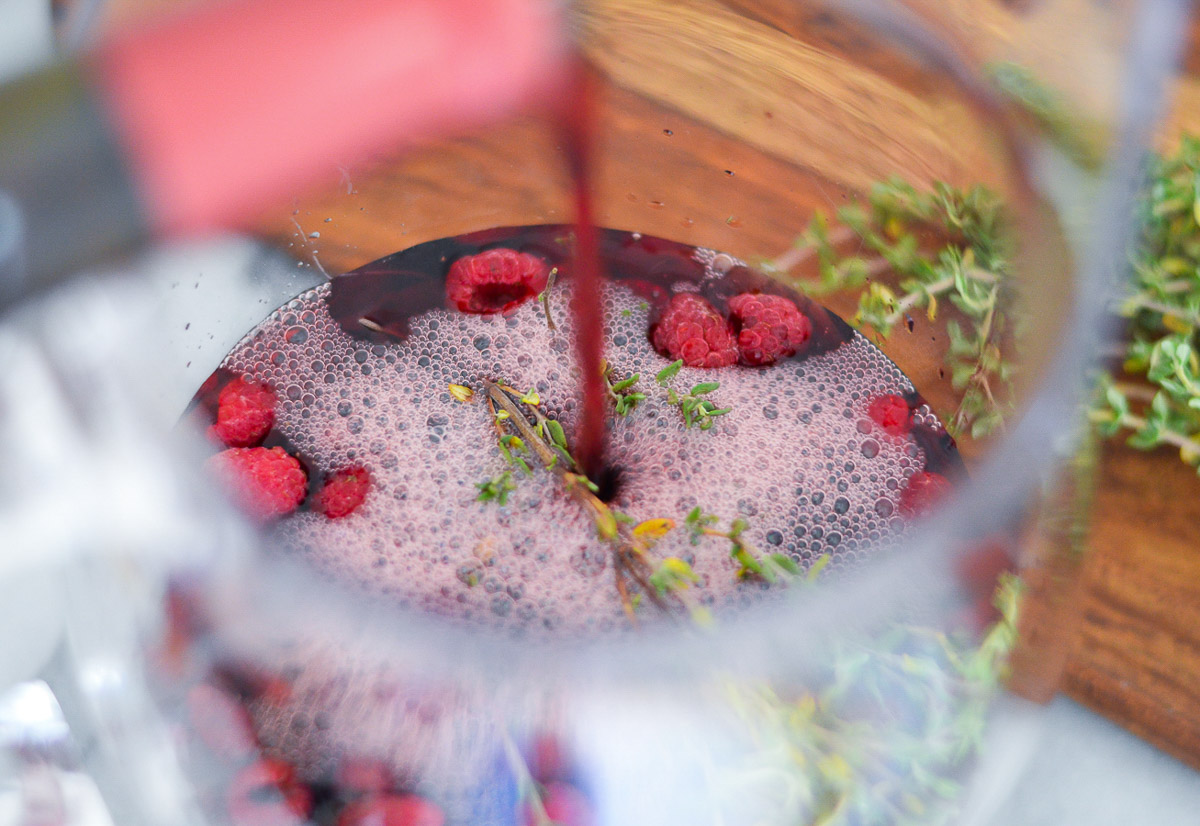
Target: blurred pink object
{"type": "Point", "coordinates": [226, 110]}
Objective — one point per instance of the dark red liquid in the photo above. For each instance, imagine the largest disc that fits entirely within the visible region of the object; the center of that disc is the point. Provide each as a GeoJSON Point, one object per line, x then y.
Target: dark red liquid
{"type": "Point", "coordinates": [589, 315]}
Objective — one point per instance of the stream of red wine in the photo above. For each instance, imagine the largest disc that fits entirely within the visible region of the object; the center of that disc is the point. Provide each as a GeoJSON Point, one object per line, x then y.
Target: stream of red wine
{"type": "Point", "coordinates": [576, 125]}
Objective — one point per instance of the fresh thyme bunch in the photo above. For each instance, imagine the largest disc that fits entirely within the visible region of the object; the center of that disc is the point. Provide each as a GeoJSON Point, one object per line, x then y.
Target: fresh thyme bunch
{"type": "Point", "coordinates": [947, 245]}
{"type": "Point", "coordinates": [885, 740]}
{"type": "Point", "coordinates": [1155, 394]}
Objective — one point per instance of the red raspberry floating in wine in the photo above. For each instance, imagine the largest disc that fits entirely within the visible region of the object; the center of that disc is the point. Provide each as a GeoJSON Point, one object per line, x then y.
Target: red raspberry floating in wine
{"type": "Point", "coordinates": [770, 327]}
{"type": "Point", "coordinates": [271, 482]}
{"type": "Point", "coordinates": [343, 493]}
{"type": "Point", "coordinates": [245, 412]}
{"type": "Point", "coordinates": [495, 281]}
{"type": "Point", "coordinates": [891, 413]}
{"type": "Point", "coordinates": [391, 810]}
{"type": "Point", "coordinates": [267, 793]}
{"type": "Point", "coordinates": [923, 491]}
{"type": "Point", "coordinates": [690, 329]}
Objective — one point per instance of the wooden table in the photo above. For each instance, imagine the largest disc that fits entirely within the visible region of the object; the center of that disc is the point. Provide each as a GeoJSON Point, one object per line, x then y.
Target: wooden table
{"type": "Point", "coordinates": [710, 168]}
{"type": "Point", "coordinates": [1138, 659]}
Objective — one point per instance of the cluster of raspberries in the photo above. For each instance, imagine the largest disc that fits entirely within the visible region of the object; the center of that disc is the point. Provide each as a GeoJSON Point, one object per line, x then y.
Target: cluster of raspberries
{"type": "Point", "coordinates": [266, 791]}
{"type": "Point", "coordinates": [271, 481]}
{"type": "Point", "coordinates": [760, 330]}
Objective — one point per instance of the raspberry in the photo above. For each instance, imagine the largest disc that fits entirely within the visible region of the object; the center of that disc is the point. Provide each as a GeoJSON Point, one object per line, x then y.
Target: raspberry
{"type": "Point", "coordinates": [495, 281]}
{"type": "Point", "coordinates": [271, 482]}
{"type": "Point", "coordinates": [891, 413]}
{"type": "Point", "coordinates": [343, 493]}
{"type": "Point", "coordinates": [690, 329]}
{"type": "Point", "coordinates": [770, 327]}
{"type": "Point", "coordinates": [923, 491]}
{"type": "Point", "coordinates": [391, 810]}
{"type": "Point", "coordinates": [245, 412]}
{"type": "Point", "coordinates": [267, 793]}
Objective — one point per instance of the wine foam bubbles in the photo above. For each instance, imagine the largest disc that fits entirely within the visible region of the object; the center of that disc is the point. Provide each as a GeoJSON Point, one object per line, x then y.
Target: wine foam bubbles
{"type": "Point", "coordinates": [796, 457]}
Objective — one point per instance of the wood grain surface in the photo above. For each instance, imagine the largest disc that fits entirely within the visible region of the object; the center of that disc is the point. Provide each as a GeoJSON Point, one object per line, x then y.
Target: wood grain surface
{"type": "Point", "coordinates": [1138, 657]}
{"type": "Point", "coordinates": [789, 97]}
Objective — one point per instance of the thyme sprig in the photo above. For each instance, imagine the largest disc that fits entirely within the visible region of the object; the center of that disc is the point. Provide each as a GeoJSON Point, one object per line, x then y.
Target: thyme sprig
{"type": "Point", "coordinates": [512, 445]}
{"type": "Point", "coordinates": [752, 564]}
{"type": "Point", "coordinates": [885, 736]}
{"type": "Point", "coordinates": [696, 409]}
{"type": "Point", "coordinates": [945, 246]}
{"type": "Point", "coordinates": [543, 439]}
{"type": "Point", "coordinates": [544, 297]}
{"type": "Point", "coordinates": [675, 577]}
{"type": "Point", "coordinates": [622, 394]}
{"type": "Point", "coordinates": [1155, 397]}
{"type": "Point", "coordinates": [496, 489]}
{"type": "Point", "coordinates": [523, 430]}
{"type": "Point", "coordinates": [1160, 403]}
{"type": "Point", "coordinates": [1083, 140]}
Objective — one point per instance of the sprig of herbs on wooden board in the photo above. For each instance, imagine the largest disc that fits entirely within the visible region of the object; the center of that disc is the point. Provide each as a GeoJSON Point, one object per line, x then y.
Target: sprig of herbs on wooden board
{"type": "Point", "coordinates": [1154, 395]}
{"type": "Point", "coordinates": [917, 251]}
{"type": "Point", "coordinates": [1082, 139]}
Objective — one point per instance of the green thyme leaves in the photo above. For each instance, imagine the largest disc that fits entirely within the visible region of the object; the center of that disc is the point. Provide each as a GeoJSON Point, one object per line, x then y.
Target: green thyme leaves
{"type": "Point", "coordinates": [899, 274]}
{"type": "Point", "coordinates": [496, 489]}
{"type": "Point", "coordinates": [696, 409]}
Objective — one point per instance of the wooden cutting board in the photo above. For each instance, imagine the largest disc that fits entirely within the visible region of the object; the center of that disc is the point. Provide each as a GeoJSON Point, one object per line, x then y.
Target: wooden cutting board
{"type": "Point", "coordinates": [1138, 658]}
